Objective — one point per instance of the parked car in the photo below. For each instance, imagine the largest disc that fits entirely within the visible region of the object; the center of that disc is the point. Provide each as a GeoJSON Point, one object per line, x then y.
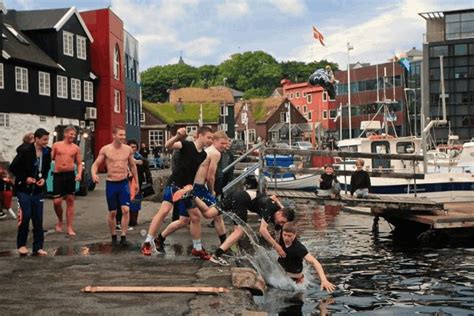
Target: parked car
{"type": "Point", "coordinates": [304, 145]}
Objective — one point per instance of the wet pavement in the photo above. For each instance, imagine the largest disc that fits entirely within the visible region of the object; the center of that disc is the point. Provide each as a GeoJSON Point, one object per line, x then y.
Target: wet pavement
{"type": "Point", "coordinates": [51, 285]}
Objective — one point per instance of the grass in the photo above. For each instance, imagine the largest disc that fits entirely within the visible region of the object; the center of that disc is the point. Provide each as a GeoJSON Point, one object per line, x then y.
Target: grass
{"type": "Point", "coordinates": [258, 110]}
{"type": "Point", "coordinates": [167, 112]}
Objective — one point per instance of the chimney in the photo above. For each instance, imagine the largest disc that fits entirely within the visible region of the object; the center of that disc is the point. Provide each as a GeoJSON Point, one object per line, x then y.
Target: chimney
{"type": "Point", "coordinates": [179, 107]}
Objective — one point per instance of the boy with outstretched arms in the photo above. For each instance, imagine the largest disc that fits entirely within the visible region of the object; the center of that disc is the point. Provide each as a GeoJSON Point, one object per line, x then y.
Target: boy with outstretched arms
{"type": "Point", "coordinates": [295, 252]}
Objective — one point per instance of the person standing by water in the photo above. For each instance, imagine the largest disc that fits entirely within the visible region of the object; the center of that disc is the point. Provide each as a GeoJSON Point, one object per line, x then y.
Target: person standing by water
{"type": "Point", "coordinates": [360, 181]}
{"type": "Point", "coordinates": [31, 168]}
{"type": "Point", "coordinates": [118, 158]}
{"type": "Point", "coordinates": [296, 252]}
{"type": "Point", "coordinates": [66, 155]}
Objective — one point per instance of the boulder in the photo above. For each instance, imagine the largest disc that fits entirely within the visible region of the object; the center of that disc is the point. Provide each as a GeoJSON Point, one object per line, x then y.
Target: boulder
{"type": "Point", "coordinates": [250, 279]}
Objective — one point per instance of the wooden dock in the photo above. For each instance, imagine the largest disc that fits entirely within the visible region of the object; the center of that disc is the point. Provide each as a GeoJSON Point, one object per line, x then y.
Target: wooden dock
{"type": "Point", "coordinates": [406, 213]}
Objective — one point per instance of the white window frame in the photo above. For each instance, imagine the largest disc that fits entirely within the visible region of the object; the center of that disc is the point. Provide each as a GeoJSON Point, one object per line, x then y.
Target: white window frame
{"type": "Point", "coordinates": [305, 109]}
{"type": "Point", "coordinates": [325, 96]}
{"type": "Point", "coordinates": [2, 83]}
{"type": "Point", "coordinates": [44, 83]}
{"type": "Point", "coordinates": [68, 44]}
{"type": "Point", "coordinates": [309, 98]}
{"type": "Point", "coordinates": [252, 135]}
{"type": "Point", "coordinates": [88, 91]}
{"type": "Point", "coordinates": [117, 104]}
{"type": "Point", "coordinates": [325, 115]}
{"type": "Point", "coordinates": [156, 137]}
{"type": "Point", "coordinates": [61, 87]}
{"type": "Point", "coordinates": [43, 119]}
{"type": "Point", "coordinates": [283, 117]}
{"type": "Point", "coordinates": [333, 111]}
{"type": "Point", "coordinates": [116, 61]}
{"type": "Point", "coordinates": [224, 110]}
{"type": "Point", "coordinates": [76, 89]}
{"type": "Point", "coordinates": [4, 120]}
{"type": "Point", "coordinates": [81, 46]}
{"type": "Point", "coordinates": [291, 95]}
{"type": "Point", "coordinates": [310, 115]}
{"type": "Point", "coordinates": [21, 78]}
{"type": "Point", "coordinates": [142, 117]}
{"type": "Point", "coordinates": [191, 128]}
{"type": "Point", "coordinates": [298, 94]}
{"type": "Point", "coordinates": [223, 127]}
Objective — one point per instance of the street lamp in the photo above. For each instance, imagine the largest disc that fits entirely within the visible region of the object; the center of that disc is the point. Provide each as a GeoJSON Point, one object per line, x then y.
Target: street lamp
{"type": "Point", "coordinates": [224, 108]}
{"type": "Point", "coordinates": [349, 48]}
{"type": "Point", "coordinates": [414, 107]}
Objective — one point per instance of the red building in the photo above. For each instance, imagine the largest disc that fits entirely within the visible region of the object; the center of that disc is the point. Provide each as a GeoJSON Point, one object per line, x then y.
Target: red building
{"type": "Point", "coordinates": [367, 82]}
{"type": "Point", "coordinates": [313, 102]}
{"type": "Point", "coordinates": [107, 63]}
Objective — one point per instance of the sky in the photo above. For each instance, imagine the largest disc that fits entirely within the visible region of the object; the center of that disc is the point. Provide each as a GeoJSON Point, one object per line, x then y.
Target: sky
{"type": "Point", "coordinates": [210, 31]}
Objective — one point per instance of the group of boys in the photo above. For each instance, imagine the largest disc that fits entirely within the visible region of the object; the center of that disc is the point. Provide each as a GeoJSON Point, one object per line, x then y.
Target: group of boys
{"type": "Point", "coordinates": [191, 188]}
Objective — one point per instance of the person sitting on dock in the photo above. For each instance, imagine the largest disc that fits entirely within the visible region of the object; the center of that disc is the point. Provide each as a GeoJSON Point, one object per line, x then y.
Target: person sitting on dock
{"type": "Point", "coordinates": [360, 181]}
{"type": "Point", "coordinates": [268, 208]}
{"type": "Point", "coordinates": [329, 186]}
{"type": "Point", "coordinates": [295, 251]}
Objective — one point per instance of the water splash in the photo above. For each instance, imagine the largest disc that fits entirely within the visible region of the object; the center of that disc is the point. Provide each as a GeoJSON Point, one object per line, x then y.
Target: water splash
{"type": "Point", "coordinates": [265, 261]}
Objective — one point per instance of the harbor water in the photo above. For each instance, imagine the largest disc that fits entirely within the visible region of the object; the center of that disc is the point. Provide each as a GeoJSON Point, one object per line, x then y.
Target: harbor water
{"type": "Point", "coordinates": [374, 275]}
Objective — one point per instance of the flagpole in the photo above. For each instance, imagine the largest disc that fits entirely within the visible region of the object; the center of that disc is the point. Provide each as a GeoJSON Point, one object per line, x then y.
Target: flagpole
{"type": "Point", "coordinates": [349, 47]}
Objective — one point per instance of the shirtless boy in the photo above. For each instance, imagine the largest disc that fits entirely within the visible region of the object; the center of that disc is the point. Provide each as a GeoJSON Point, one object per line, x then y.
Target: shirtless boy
{"type": "Point", "coordinates": [65, 154]}
{"type": "Point", "coordinates": [205, 175]}
{"type": "Point", "coordinates": [191, 155]}
{"type": "Point", "coordinates": [118, 158]}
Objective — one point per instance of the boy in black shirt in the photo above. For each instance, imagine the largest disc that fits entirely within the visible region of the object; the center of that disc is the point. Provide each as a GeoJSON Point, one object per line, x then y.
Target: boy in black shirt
{"type": "Point", "coordinates": [360, 181]}
{"type": "Point", "coordinates": [329, 186]}
{"type": "Point", "coordinates": [295, 251]}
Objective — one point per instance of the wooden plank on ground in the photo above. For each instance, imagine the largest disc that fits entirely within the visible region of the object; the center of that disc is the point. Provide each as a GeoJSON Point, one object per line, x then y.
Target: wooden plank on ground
{"type": "Point", "coordinates": [154, 289]}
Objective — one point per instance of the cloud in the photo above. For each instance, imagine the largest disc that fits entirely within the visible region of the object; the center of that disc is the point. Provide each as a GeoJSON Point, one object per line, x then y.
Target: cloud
{"type": "Point", "coordinates": [232, 9]}
{"type": "Point", "coordinates": [201, 47]}
{"type": "Point", "coordinates": [396, 27]}
{"type": "Point", "coordinates": [291, 7]}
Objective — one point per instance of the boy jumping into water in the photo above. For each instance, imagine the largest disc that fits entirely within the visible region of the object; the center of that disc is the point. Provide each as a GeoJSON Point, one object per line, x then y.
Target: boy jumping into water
{"type": "Point", "coordinates": [295, 252]}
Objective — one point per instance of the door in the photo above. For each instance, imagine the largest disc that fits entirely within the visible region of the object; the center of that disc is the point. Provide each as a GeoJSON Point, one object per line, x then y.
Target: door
{"type": "Point", "coordinates": [380, 147]}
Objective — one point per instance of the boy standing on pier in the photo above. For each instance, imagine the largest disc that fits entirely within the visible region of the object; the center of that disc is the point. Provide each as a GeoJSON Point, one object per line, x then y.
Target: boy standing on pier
{"type": "Point", "coordinates": [295, 252]}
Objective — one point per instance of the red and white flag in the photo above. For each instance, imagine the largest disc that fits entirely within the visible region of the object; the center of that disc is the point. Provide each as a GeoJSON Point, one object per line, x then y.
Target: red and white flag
{"type": "Point", "coordinates": [318, 36]}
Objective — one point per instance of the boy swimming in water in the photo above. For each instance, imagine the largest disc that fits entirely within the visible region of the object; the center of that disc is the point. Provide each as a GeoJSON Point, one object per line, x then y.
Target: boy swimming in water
{"type": "Point", "coordinates": [295, 251]}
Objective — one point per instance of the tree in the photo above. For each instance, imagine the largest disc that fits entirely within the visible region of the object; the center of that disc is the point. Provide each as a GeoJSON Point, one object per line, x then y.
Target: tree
{"type": "Point", "coordinates": [298, 71]}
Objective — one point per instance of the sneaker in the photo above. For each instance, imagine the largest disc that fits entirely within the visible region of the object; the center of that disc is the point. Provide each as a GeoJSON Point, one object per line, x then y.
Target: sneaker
{"type": "Point", "coordinates": [118, 226]}
{"type": "Point", "coordinates": [130, 228]}
{"type": "Point", "coordinates": [12, 213]}
{"type": "Point", "coordinates": [202, 254]}
{"type": "Point", "coordinates": [159, 246]}
{"type": "Point", "coordinates": [219, 260]}
{"type": "Point", "coordinates": [182, 193]}
{"type": "Point", "coordinates": [2, 215]}
{"type": "Point", "coordinates": [146, 249]}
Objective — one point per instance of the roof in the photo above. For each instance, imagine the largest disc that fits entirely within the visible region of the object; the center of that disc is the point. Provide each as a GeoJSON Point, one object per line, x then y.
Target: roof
{"type": "Point", "coordinates": [283, 127]}
{"type": "Point", "coordinates": [27, 52]}
{"type": "Point", "coordinates": [278, 92]}
{"type": "Point", "coordinates": [235, 93]}
{"type": "Point", "coordinates": [48, 19]}
{"type": "Point", "coordinates": [201, 95]}
{"type": "Point", "coordinates": [190, 114]}
{"type": "Point", "coordinates": [261, 109]}
{"type": "Point", "coordinates": [440, 14]}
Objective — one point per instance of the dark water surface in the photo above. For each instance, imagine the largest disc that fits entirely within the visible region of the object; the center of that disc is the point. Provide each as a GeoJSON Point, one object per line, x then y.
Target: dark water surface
{"type": "Point", "coordinates": [375, 275]}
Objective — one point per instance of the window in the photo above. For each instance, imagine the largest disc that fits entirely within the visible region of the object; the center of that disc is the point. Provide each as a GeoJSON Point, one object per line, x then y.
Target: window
{"type": "Point", "coordinates": [4, 120]}
{"type": "Point", "coordinates": [291, 95]}
{"type": "Point", "coordinates": [116, 101]}
{"type": "Point", "coordinates": [16, 34]}
{"type": "Point", "coordinates": [305, 109]}
{"type": "Point", "coordinates": [21, 78]}
{"type": "Point", "coordinates": [252, 135]}
{"type": "Point", "coordinates": [224, 110]}
{"type": "Point", "coordinates": [405, 148]}
{"type": "Point", "coordinates": [460, 50]}
{"type": "Point", "coordinates": [298, 95]}
{"type": "Point", "coordinates": [309, 98]}
{"type": "Point", "coordinates": [223, 127]}
{"type": "Point", "coordinates": [81, 47]}
{"type": "Point", "coordinates": [437, 51]}
{"type": "Point", "coordinates": [44, 83]}
{"type": "Point", "coordinates": [62, 87]}
{"type": "Point", "coordinates": [310, 115]}
{"type": "Point", "coordinates": [42, 119]}
{"type": "Point", "coordinates": [2, 85]}
{"type": "Point", "coordinates": [283, 117]}
{"type": "Point", "coordinates": [68, 44]}
{"type": "Point", "coordinates": [116, 63]}
{"type": "Point", "coordinates": [325, 96]}
{"type": "Point", "coordinates": [75, 89]}
{"type": "Point", "coordinates": [332, 114]}
{"type": "Point", "coordinates": [88, 91]}
{"type": "Point", "coordinates": [142, 117]}
{"type": "Point", "coordinates": [191, 129]}
{"type": "Point", "coordinates": [155, 137]}
{"type": "Point", "coordinates": [325, 115]}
